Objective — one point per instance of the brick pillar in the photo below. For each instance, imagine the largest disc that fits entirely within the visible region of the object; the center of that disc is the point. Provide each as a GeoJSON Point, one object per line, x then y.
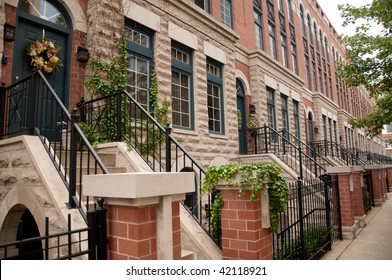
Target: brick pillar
{"type": "Point", "coordinates": [243, 235]}
{"type": "Point", "coordinates": [389, 174]}
{"type": "Point", "coordinates": [132, 232]}
{"type": "Point", "coordinates": [143, 212]}
{"type": "Point", "coordinates": [351, 198]}
{"type": "Point", "coordinates": [378, 182]}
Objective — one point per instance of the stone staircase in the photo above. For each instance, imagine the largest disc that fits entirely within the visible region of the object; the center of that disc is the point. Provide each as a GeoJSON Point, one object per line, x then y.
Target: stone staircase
{"type": "Point", "coordinates": [117, 158]}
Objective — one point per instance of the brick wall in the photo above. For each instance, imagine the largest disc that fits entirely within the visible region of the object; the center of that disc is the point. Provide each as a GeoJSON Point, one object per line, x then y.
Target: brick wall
{"type": "Point", "coordinates": [243, 237]}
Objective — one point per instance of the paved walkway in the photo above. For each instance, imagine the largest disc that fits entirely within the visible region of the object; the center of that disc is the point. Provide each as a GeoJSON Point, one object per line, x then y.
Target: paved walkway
{"type": "Point", "coordinates": [374, 242]}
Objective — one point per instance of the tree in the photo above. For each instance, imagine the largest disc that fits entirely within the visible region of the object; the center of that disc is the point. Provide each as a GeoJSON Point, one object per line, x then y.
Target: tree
{"type": "Point", "coordinates": [369, 59]}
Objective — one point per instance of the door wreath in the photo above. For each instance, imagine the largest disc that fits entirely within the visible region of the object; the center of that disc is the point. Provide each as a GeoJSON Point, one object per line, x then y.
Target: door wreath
{"type": "Point", "coordinates": [44, 55]}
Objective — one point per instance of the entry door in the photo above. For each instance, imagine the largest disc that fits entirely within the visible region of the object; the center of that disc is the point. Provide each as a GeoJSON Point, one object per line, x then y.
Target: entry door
{"type": "Point", "coordinates": [29, 31]}
{"type": "Point", "coordinates": [241, 109]}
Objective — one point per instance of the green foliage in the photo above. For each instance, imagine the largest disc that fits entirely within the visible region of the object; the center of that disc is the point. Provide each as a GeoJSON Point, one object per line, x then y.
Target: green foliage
{"type": "Point", "coordinates": [291, 249]}
{"type": "Point", "coordinates": [107, 78]}
{"type": "Point", "coordinates": [369, 60]}
{"type": "Point", "coordinates": [216, 214]}
{"type": "Point", "coordinates": [259, 177]}
{"type": "Point", "coordinates": [254, 122]}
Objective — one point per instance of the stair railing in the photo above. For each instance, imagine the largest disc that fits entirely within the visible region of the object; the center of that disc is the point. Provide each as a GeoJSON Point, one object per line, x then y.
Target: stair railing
{"type": "Point", "coordinates": [134, 125]}
{"type": "Point", "coordinates": [31, 107]}
{"type": "Point", "coordinates": [268, 140]}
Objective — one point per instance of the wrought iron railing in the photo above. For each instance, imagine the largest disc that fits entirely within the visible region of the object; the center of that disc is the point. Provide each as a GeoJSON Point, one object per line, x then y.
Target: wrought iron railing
{"type": "Point", "coordinates": [31, 106]}
{"type": "Point", "coordinates": [119, 117]}
{"type": "Point", "coordinates": [82, 243]}
{"type": "Point", "coordinates": [297, 155]}
{"type": "Point", "coordinates": [312, 221]}
{"type": "Point", "coordinates": [349, 156]}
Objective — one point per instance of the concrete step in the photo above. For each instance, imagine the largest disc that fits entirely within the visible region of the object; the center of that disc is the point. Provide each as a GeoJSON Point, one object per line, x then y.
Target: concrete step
{"type": "Point", "coordinates": [108, 159]}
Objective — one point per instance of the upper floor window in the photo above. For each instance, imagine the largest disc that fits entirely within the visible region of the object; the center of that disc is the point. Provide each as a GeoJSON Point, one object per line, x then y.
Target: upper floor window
{"type": "Point", "coordinates": [214, 96]}
{"type": "Point", "coordinates": [44, 10]}
{"type": "Point", "coordinates": [271, 28]}
{"type": "Point", "coordinates": [290, 9]}
{"type": "Point", "coordinates": [301, 9]}
{"type": "Point", "coordinates": [226, 12]}
{"type": "Point", "coordinates": [204, 4]}
{"type": "Point", "coordinates": [181, 86]}
{"type": "Point", "coordinates": [257, 14]}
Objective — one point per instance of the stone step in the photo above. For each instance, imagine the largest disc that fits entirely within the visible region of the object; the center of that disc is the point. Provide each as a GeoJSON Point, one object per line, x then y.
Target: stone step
{"type": "Point", "coordinates": [108, 159]}
{"type": "Point", "coordinates": [188, 255]}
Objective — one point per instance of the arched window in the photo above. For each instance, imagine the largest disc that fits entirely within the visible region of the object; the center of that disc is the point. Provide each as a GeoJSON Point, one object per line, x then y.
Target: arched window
{"type": "Point", "coordinates": [44, 10]}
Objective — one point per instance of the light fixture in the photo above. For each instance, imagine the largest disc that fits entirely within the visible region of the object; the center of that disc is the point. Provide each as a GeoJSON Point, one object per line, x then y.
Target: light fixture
{"type": "Point", "coordinates": [82, 54]}
{"type": "Point", "coordinates": [252, 109]}
{"type": "Point", "coordinates": [316, 130]}
{"type": "Point", "coordinates": [9, 32]}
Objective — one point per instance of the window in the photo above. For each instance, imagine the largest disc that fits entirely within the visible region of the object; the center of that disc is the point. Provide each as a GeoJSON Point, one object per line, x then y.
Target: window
{"type": "Point", "coordinates": [294, 57]}
{"type": "Point", "coordinates": [290, 9]}
{"type": "Point", "coordinates": [314, 75]}
{"type": "Point", "coordinates": [204, 4]}
{"type": "Point", "coordinates": [214, 96]}
{"type": "Point", "coordinates": [138, 61]}
{"type": "Point", "coordinates": [285, 115]}
{"type": "Point", "coordinates": [44, 10]}
{"type": "Point", "coordinates": [283, 36]}
{"type": "Point", "coordinates": [271, 108]}
{"type": "Point", "coordinates": [315, 36]}
{"type": "Point", "coordinates": [226, 12]}
{"type": "Point", "coordinates": [271, 28]}
{"type": "Point", "coordinates": [297, 131]}
{"type": "Point", "coordinates": [301, 8]}
{"type": "Point", "coordinates": [257, 14]}
{"type": "Point", "coordinates": [182, 98]}
{"type": "Point", "coordinates": [325, 127]}
{"type": "Point", "coordinates": [284, 51]}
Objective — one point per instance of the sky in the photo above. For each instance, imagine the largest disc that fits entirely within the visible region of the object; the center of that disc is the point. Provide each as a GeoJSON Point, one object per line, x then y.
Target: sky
{"type": "Point", "coordinates": [330, 8]}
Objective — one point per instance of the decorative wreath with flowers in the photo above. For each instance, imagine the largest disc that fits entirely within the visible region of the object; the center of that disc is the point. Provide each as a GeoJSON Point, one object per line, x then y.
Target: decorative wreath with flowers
{"type": "Point", "coordinates": [44, 55]}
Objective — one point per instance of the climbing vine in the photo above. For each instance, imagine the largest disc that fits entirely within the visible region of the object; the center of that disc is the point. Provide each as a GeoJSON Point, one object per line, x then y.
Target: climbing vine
{"type": "Point", "coordinates": [259, 177]}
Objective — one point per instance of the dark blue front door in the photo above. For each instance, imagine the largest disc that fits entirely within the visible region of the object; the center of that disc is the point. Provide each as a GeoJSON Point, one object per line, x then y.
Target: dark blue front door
{"type": "Point", "coordinates": [30, 27]}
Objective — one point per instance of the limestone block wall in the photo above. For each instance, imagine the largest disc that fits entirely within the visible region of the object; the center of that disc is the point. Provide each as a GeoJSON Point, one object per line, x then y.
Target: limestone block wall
{"type": "Point", "coordinates": [28, 180]}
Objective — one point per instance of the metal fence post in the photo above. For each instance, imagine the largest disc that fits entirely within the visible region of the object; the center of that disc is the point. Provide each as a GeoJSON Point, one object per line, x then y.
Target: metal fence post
{"type": "Point", "coordinates": [168, 148]}
{"type": "Point", "coordinates": [119, 116]}
{"type": "Point", "coordinates": [92, 234]}
{"type": "Point", "coordinates": [327, 181]}
{"type": "Point", "coordinates": [301, 220]}
{"type": "Point", "coordinates": [102, 253]}
{"type": "Point", "coordinates": [3, 93]}
{"type": "Point", "coordinates": [72, 164]}
{"type": "Point", "coordinates": [265, 138]}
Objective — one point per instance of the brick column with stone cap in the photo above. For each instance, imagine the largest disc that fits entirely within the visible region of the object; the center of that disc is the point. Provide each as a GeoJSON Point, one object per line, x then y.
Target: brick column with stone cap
{"type": "Point", "coordinates": [143, 212]}
{"type": "Point", "coordinates": [246, 234]}
{"type": "Point", "coordinates": [389, 176]}
{"type": "Point", "coordinates": [351, 198]}
{"type": "Point", "coordinates": [378, 183]}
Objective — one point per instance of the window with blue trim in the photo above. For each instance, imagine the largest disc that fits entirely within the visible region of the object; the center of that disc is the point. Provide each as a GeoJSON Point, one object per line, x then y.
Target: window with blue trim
{"type": "Point", "coordinates": [258, 19]}
{"type": "Point", "coordinates": [204, 4]}
{"type": "Point", "coordinates": [181, 86]}
{"type": "Point", "coordinates": [215, 96]}
{"type": "Point", "coordinates": [226, 12]}
{"type": "Point", "coordinates": [139, 61]}
{"type": "Point", "coordinates": [271, 108]}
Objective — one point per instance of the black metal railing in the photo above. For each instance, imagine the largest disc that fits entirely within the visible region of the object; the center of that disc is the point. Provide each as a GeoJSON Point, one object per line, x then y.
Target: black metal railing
{"type": "Point", "coordinates": [297, 155]}
{"type": "Point", "coordinates": [312, 221]}
{"type": "Point", "coordinates": [367, 191]}
{"type": "Point", "coordinates": [31, 106]}
{"type": "Point", "coordinates": [119, 117]}
{"type": "Point", "coordinates": [347, 155]}
{"type": "Point", "coordinates": [85, 243]}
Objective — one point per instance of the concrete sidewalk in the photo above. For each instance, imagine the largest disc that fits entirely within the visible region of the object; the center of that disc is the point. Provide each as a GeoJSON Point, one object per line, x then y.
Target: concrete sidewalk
{"type": "Point", "coordinates": [374, 242]}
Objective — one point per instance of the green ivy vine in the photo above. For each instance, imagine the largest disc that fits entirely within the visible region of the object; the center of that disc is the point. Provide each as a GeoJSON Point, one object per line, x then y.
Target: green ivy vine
{"type": "Point", "coordinates": [106, 78]}
{"type": "Point", "coordinates": [259, 177]}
